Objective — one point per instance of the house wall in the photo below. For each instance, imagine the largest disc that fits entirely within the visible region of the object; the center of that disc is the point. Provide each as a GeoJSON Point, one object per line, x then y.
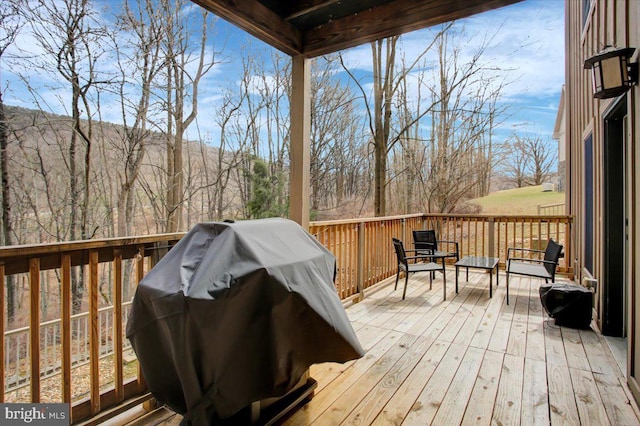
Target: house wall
{"type": "Point", "coordinates": [559, 134]}
{"type": "Point", "coordinates": [615, 23]}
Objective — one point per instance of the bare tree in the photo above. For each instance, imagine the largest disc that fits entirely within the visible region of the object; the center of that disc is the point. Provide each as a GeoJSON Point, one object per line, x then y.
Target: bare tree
{"type": "Point", "coordinates": [10, 25]}
{"type": "Point", "coordinates": [466, 95]}
{"type": "Point", "coordinates": [184, 68]}
{"type": "Point", "coordinates": [271, 84]}
{"type": "Point", "coordinates": [387, 77]}
{"type": "Point", "coordinates": [71, 39]}
{"type": "Point", "coordinates": [226, 158]}
{"type": "Point", "coordinates": [516, 163]}
{"type": "Point", "coordinates": [529, 161]}
{"type": "Point", "coordinates": [542, 161]}
{"type": "Point", "coordinates": [138, 62]}
{"type": "Point", "coordinates": [332, 113]}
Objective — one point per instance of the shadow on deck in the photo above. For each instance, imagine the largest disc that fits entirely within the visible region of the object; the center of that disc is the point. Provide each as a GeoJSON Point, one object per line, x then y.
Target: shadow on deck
{"type": "Point", "coordinates": [468, 360]}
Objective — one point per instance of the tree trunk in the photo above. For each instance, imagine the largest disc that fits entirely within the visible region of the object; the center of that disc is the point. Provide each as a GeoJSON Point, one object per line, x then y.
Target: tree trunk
{"type": "Point", "coordinates": [6, 206]}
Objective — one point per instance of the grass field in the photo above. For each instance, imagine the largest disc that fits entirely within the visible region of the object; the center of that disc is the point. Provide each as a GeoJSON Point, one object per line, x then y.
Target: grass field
{"type": "Point", "coordinates": [520, 201]}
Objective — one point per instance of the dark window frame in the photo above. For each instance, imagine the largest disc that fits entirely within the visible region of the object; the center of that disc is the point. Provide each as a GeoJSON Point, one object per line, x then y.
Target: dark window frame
{"type": "Point", "coordinates": [586, 7]}
{"type": "Point", "coordinates": [588, 204]}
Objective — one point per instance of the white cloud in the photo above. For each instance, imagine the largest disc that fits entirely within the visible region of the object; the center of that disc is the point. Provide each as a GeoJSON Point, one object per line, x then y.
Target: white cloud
{"type": "Point", "coordinates": [525, 38]}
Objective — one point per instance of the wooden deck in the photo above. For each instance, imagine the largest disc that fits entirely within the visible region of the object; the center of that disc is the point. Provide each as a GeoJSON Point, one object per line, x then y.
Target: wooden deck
{"type": "Point", "coordinates": [468, 360]}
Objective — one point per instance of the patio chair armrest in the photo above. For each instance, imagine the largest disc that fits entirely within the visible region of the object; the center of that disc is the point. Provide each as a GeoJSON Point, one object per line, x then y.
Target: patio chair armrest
{"type": "Point", "coordinates": [427, 255]}
{"type": "Point", "coordinates": [521, 250]}
{"type": "Point", "coordinates": [420, 243]}
{"type": "Point", "coordinates": [414, 258]}
{"type": "Point", "coordinates": [449, 242]}
{"type": "Point", "coordinates": [526, 249]}
{"type": "Point", "coordinates": [413, 251]}
{"type": "Point", "coordinates": [526, 259]}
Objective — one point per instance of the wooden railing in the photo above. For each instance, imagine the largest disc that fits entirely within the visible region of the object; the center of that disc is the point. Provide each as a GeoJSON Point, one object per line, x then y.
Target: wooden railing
{"type": "Point", "coordinates": [55, 355]}
{"type": "Point", "coordinates": [77, 372]}
{"type": "Point", "coordinates": [365, 254]}
{"type": "Point", "coordinates": [551, 209]}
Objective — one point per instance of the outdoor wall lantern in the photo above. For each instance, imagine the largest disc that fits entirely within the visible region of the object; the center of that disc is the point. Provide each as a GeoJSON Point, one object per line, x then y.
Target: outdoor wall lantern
{"type": "Point", "coordinates": [612, 73]}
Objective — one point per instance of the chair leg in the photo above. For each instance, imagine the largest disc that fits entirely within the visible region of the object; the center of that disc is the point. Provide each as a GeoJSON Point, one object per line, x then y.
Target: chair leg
{"type": "Point", "coordinates": [430, 280]}
{"type": "Point", "coordinates": [507, 286]}
{"type": "Point", "coordinates": [444, 276]}
{"type": "Point", "coordinates": [406, 281]}
{"type": "Point", "coordinates": [397, 276]}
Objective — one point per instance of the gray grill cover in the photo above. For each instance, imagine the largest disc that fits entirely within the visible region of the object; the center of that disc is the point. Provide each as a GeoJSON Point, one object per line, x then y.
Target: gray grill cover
{"type": "Point", "coordinates": [236, 313]}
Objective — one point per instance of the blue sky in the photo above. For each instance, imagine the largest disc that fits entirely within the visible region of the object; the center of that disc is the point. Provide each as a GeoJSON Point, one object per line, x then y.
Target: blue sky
{"type": "Point", "coordinates": [528, 38]}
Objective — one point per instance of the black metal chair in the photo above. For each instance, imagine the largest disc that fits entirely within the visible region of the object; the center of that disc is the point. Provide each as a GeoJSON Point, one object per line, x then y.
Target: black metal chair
{"type": "Point", "coordinates": [425, 241]}
{"type": "Point", "coordinates": [407, 268]}
{"type": "Point", "coordinates": [532, 267]}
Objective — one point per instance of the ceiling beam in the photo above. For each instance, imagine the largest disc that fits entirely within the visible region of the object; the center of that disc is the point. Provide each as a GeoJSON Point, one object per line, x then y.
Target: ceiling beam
{"type": "Point", "coordinates": [259, 21]}
{"type": "Point", "coordinates": [301, 8]}
{"type": "Point", "coordinates": [390, 19]}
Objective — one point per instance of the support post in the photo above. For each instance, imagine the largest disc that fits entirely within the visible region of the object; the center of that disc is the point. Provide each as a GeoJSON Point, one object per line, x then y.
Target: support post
{"type": "Point", "coordinates": [405, 238]}
{"type": "Point", "coordinates": [492, 237]}
{"type": "Point", "coordinates": [360, 254]}
{"type": "Point", "coordinates": [299, 147]}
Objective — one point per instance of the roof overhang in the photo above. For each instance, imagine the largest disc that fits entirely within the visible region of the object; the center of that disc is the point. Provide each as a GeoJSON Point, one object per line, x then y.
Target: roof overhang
{"type": "Point", "coordinates": [318, 27]}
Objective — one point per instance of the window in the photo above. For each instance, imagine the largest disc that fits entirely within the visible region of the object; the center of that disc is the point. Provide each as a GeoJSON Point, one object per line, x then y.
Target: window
{"type": "Point", "coordinates": [586, 5]}
{"type": "Point", "coordinates": [588, 204]}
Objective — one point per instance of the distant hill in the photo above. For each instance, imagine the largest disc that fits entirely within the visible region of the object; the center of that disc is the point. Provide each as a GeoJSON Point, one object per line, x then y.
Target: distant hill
{"type": "Point", "coordinates": [519, 201]}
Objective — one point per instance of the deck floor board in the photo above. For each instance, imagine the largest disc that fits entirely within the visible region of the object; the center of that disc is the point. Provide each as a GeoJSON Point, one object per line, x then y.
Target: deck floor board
{"type": "Point", "coordinates": [469, 359]}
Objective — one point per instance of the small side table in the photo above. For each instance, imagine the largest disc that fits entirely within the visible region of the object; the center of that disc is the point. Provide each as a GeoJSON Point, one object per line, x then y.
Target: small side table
{"type": "Point", "coordinates": [479, 262]}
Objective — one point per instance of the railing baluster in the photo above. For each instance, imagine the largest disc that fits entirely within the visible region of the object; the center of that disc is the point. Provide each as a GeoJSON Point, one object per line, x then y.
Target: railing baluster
{"type": "Point", "coordinates": [94, 336]}
{"type": "Point", "coordinates": [45, 348]}
{"type": "Point", "coordinates": [344, 259]}
{"type": "Point", "coordinates": [492, 238]}
{"type": "Point", "coordinates": [2, 326]}
{"type": "Point", "coordinates": [117, 324]}
{"type": "Point", "coordinates": [139, 276]}
{"type": "Point", "coordinates": [34, 327]}
{"type": "Point", "coordinates": [353, 261]}
{"type": "Point", "coordinates": [360, 280]}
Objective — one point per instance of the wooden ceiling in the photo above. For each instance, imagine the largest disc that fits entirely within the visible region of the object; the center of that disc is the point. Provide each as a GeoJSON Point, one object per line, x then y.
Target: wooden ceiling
{"type": "Point", "coordinates": [318, 27]}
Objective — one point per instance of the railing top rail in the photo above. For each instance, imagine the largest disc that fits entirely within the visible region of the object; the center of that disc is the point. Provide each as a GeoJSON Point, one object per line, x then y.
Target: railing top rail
{"type": "Point", "coordinates": [500, 217]}
{"type": "Point", "coordinates": [27, 250]}
{"type": "Point", "coordinates": [364, 219]}
{"type": "Point", "coordinates": [69, 246]}
{"type": "Point", "coordinates": [552, 205]}
{"type": "Point", "coordinates": [488, 217]}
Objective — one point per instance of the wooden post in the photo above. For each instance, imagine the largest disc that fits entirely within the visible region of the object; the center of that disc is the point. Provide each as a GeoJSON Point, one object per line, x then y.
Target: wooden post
{"type": "Point", "coordinates": [492, 237]}
{"type": "Point", "coordinates": [299, 147]}
{"type": "Point", "coordinates": [66, 326]}
{"type": "Point", "coordinates": [2, 326]}
{"type": "Point", "coordinates": [117, 325]}
{"type": "Point", "coordinates": [34, 327]}
{"type": "Point", "coordinates": [404, 230]}
{"type": "Point", "coordinates": [94, 334]}
{"type": "Point", "coordinates": [360, 254]}
{"type": "Point", "coordinates": [139, 259]}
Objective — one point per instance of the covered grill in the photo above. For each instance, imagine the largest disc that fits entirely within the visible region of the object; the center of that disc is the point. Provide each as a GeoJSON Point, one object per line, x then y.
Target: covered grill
{"type": "Point", "coordinates": [236, 313]}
